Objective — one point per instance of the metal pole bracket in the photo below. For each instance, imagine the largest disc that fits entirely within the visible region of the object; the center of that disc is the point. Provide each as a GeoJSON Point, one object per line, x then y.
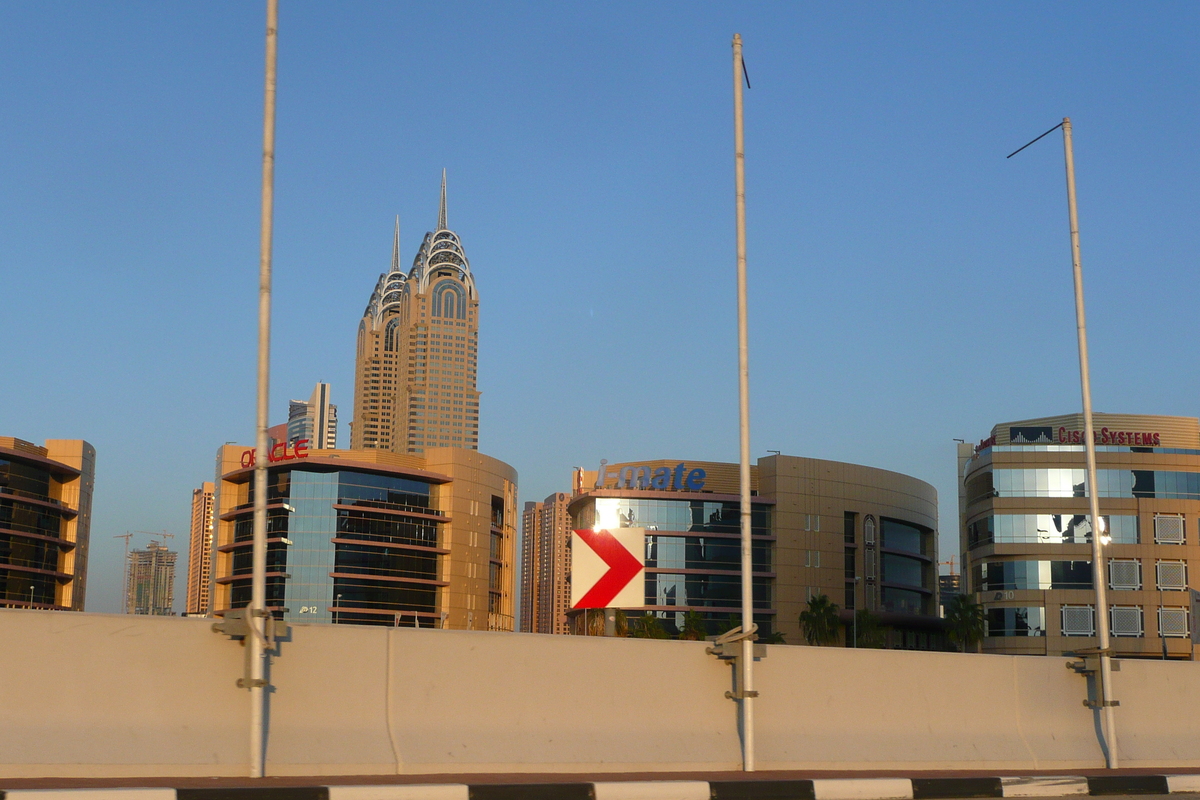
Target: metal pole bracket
{"type": "Point", "coordinates": [1102, 703]}
{"type": "Point", "coordinates": [235, 625]}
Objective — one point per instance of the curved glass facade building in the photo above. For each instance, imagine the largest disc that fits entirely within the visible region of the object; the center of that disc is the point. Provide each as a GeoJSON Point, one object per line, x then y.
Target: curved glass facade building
{"type": "Point", "coordinates": [864, 537]}
{"type": "Point", "coordinates": [1026, 539]}
{"type": "Point", "coordinates": [375, 538]}
{"type": "Point", "coordinates": [45, 518]}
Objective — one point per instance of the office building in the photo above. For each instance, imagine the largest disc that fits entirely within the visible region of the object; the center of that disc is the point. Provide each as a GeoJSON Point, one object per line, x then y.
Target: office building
{"type": "Point", "coordinates": [949, 586]}
{"type": "Point", "coordinates": [200, 552]}
{"type": "Point", "coordinates": [1026, 538]}
{"type": "Point", "coordinates": [150, 581]}
{"type": "Point", "coordinates": [416, 357]}
{"type": "Point", "coordinates": [372, 537]}
{"type": "Point", "coordinates": [45, 519]}
{"type": "Point", "coordinates": [863, 537]}
{"type": "Point", "coordinates": [315, 420]}
{"type": "Point", "coordinates": [546, 565]}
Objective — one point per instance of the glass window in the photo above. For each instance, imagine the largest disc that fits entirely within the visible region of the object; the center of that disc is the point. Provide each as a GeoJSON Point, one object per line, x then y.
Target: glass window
{"type": "Point", "coordinates": [904, 601]}
{"type": "Point", "coordinates": [899, 569]}
{"type": "Point", "coordinates": [1047, 529]}
{"type": "Point", "coordinates": [897, 535]}
{"type": "Point", "coordinates": [671, 515]}
{"type": "Point", "coordinates": [1063, 482]}
{"type": "Point", "coordinates": [700, 552]}
{"type": "Point", "coordinates": [1037, 575]}
{"type": "Point", "coordinates": [24, 480]}
{"type": "Point", "coordinates": [1021, 621]}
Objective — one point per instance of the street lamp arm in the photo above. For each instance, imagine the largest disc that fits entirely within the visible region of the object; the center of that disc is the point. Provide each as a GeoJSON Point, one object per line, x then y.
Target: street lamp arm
{"type": "Point", "coordinates": [1043, 136]}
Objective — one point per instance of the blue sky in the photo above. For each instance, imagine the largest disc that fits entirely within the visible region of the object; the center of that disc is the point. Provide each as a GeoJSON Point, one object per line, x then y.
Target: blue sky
{"type": "Point", "coordinates": [908, 285]}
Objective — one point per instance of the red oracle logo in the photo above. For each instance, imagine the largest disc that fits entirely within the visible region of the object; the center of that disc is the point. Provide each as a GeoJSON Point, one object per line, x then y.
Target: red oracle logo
{"type": "Point", "coordinates": [280, 451]}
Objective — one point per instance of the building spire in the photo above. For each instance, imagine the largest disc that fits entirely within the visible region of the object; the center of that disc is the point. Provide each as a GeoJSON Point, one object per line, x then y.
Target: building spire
{"type": "Point", "coordinates": [442, 209]}
{"type": "Point", "coordinates": [396, 247]}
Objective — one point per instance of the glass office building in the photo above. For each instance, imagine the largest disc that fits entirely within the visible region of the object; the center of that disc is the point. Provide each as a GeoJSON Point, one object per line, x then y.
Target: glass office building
{"type": "Point", "coordinates": [863, 537]}
{"type": "Point", "coordinates": [45, 518]}
{"type": "Point", "coordinates": [376, 538]}
{"type": "Point", "coordinates": [1026, 537]}
{"type": "Point", "coordinates": [693, 554]}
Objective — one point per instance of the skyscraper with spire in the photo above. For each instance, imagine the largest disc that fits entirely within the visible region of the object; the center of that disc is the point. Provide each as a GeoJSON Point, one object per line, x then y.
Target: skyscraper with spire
{"type": "Point", "coordinates": [418, 343]}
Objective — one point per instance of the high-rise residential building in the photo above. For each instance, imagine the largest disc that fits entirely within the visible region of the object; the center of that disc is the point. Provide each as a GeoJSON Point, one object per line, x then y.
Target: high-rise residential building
{"type": "Point", "coordinates": [150, 581]}
{"type": "Point", "coordinates": [45, 519]}
{"type": "Point", "coordinates": [1026, 535]}
{"type": "Point", "coordinates": [315, 420]}
{"type": "Point", "coordinates": [546, 565]}
{"type": "Point", "coordinates": [415, 364]}
{"type": "Point", "coordinates": [200, 552]}
{"type": "Point", "coordinates": [370, 537]}
{"type": "Point", "coordinates": [530, 523]}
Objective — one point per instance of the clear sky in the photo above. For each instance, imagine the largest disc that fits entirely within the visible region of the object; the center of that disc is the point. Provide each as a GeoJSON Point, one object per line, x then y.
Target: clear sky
{"type": "Point", "coordinates": [908, 285]}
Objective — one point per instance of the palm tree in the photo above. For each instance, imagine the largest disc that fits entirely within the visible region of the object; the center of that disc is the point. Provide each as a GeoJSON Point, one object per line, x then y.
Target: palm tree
{"type": "Point", "coordinates": [774, 637]}
{"type": "Point", "coordinates": [622, 622]}
{"type": "Point", "coordinates": [648, 627]}
{"type": "Point", "coordinates": [869, 630]}
{"type": "Point", "coordinates": [820, 621]}
{"type": "Point", "coordinates": [693, 626]}
{"type": "Point", "coordinates": [965, 622]}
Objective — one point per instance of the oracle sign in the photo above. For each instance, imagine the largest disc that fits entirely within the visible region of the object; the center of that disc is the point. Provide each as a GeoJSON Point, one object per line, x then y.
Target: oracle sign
{"type": "Point", "coordinates": [280, 451]}
{"type": "Point", "coordinates": [986, 443]}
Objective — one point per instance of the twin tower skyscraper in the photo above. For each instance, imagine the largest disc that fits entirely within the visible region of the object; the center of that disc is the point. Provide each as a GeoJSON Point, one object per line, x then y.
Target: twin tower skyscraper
{"type": "Point", "coordinates": [417, 356]}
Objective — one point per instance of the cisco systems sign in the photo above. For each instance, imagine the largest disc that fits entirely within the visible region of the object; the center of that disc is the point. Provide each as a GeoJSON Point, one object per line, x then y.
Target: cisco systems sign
{"type": "Point", "coordinates": [640, 476]}
{"type": "Point", "coordinates": [1063, 435]}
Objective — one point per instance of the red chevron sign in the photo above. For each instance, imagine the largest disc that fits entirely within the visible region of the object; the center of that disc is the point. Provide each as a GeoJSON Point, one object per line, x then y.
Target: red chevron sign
{"type": "Point", "coordinates": [606, 566]}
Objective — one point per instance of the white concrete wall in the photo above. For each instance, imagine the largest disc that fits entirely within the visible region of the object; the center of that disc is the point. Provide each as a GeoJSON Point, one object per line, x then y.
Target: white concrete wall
{"type": "Point", "coordinates": [96, 694]}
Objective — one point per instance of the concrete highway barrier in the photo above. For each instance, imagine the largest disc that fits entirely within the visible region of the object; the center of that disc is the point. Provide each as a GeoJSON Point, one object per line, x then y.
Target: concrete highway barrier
{"type": "Point", "coordinates": [97, 695]}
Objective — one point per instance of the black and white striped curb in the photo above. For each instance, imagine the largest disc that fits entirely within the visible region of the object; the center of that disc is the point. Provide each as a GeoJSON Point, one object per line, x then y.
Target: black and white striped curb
{"type": "Point", "coordinates": [830, 789]}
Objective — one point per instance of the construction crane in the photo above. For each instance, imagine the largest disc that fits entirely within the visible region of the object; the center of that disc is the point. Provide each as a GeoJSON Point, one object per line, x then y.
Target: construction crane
{"type": "Point", "coordinates": [125, 571]}
{"type": "Point", "coordinates": [163, 534]}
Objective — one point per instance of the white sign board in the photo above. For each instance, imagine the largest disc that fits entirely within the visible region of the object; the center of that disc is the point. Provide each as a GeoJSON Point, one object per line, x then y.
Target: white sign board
{"type": "Point", "coordinates": [607, 568]}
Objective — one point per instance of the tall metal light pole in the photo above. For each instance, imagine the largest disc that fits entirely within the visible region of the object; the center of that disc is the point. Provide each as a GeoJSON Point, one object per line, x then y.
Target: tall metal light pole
{"type": "Point", "coordinates": [746, 683]}
{"type": "Point", "coordinates": [1090, 448]}
{"type": "Point", "coordinates": [1089, 440]}
{"type": "Point", "coordinates": [258, 583]}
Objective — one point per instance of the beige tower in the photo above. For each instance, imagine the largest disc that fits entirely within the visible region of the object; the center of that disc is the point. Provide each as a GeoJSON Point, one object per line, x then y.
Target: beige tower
{"type": "Point", "coordinates": [199, 579]}
{"type": "Point", "coordinates": [415, 366]}
{"type": "Point", "coordinates": [546, 567]}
